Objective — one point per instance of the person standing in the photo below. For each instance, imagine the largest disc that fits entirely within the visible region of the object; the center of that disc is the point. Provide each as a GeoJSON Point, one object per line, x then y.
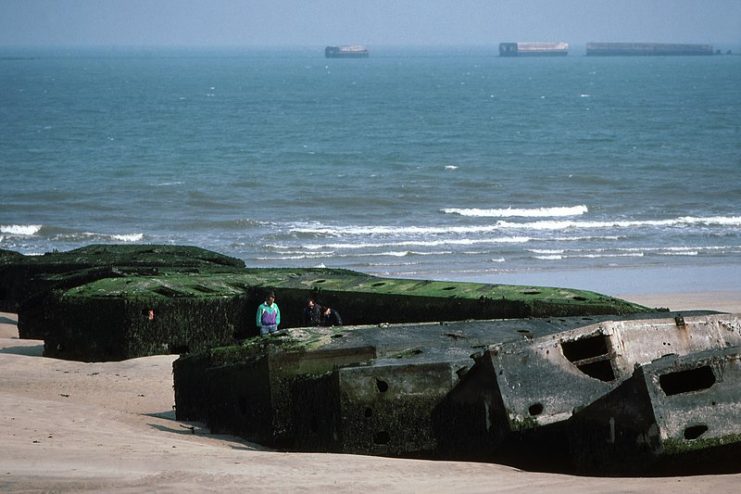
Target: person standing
{"type": "Point", "coordinates": [312, 313]}
{"type": "Point", "coordinates": [268, 315]}
{"type": "Point", "coordinates": [330, 317]}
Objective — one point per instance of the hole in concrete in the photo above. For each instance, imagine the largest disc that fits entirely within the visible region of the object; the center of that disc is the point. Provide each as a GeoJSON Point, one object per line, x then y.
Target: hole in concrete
{"type": "Point", "coordinates": [580, 298]}
{"type": "Point", "coordinates": [382, 437]}
{"type": "Point", "coordinates": [203, 289]}
{"type": "Point", "coordinates": [382, 386]}
{"type": "Point", "coordinates": [687, 380]}
{"type": "Point", "coordinates": [411, 352]}
{"type": "Point", "coordinates": [523, 331]}
{"type": "Point", "coordinates": [601, 370]}
{"type": "Point", "coordinates": [591, 356]}
{"type": "Point", "coordinates": [380, 283]}
{"type": "Point", "coordinates": [368, 413]}
{"type": "Point", "coordinates": [535, 409]}
{"type": "Point", "coordinates": [167, 291]}
{"type": "Point", "coordinates": [584, 348]}
{"type": "Point", "coordinates": [531, 292]}
{"type": "Point", "coordinates": [695, 431]}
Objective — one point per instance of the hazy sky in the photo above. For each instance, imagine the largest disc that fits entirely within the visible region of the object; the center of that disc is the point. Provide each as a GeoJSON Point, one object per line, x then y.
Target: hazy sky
{"type": "Point", "coordinates": [379, 22]}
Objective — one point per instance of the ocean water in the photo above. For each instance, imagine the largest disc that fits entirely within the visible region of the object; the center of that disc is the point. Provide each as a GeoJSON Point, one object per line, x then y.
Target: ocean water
{"type": "Point", "coordinates": [439, 163]}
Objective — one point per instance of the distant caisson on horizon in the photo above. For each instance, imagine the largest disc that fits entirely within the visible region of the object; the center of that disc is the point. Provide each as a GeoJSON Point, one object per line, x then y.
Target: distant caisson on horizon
{"type": "Point", "coordinates": [646, 49]}
{"type": "Point", "coordinates": [533, 49]}
{"type": "Point", "coordinates": [346, 51]}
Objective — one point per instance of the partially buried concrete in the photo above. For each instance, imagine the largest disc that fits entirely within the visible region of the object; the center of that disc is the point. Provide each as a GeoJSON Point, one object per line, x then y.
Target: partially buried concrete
{"type": "Point", "coordinates": [415, 390]}
{"type": "Point", "coordinates": [532, 374]}
{"type": "Point", "coordinates": [678, 413]}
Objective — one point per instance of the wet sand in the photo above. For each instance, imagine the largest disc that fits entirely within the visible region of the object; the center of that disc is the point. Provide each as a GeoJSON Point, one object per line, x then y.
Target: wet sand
{"type": "Point", "coordinates": [73, 426]}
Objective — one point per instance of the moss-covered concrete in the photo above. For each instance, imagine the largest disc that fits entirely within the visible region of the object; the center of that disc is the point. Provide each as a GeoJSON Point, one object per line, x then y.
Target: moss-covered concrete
{"type": "Point", "coordinates": [412, 390]}
{"type": "Point", "coordinates": [160, 299]}
{"type": "Point", "coordinates": [22, 276]}
{"type": "Point", "coordinates": [360, 389]}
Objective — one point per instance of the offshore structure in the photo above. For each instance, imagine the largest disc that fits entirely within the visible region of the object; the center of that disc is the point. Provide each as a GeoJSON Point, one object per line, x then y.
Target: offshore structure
{"type": "Point", "coordinates": [646, 49]}
{"type": "Point", "coordinates": [346, 51]}
{"type": "Point", "coordinates": [533, 49]}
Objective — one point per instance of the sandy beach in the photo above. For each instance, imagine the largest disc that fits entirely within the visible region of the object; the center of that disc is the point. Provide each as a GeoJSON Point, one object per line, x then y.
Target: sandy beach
{"type": "Point", "coordinates": [72, 426]}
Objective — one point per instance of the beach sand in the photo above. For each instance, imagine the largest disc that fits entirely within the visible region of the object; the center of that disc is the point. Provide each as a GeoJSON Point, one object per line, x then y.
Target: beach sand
{"type": "Point", "coordinates": [73, 426]}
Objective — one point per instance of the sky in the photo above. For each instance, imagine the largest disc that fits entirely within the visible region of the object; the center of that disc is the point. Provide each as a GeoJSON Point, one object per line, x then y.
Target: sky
{"type": "Point", "coordinates": [235, 23]}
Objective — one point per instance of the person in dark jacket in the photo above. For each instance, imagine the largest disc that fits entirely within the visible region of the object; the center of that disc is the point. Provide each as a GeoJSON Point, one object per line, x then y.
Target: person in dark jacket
{"type": "Point", "coordinates": [330, 317]}
{"type": "Point", "coordinates": [312, 313]}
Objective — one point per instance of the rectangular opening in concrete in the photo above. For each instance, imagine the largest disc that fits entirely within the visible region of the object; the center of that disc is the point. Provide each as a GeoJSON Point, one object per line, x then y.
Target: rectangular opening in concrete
{"type": "Point", "coordinates": [167, 291]}
{"type": "Point", "coordinates": [687, 381]}
{"type": "Point", "coordinates": [591, 355]}
{"type": "Point", "coordinates": [601, 369]}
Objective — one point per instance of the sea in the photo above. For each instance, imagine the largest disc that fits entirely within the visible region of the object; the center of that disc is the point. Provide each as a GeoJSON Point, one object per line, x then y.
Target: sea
{"type": "Point", "coordinates": [431, 163]}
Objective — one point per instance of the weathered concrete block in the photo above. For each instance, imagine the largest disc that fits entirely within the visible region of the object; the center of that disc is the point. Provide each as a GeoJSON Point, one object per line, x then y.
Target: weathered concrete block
{"type": "Point", "coordinates": [200, 286]}
{"type": "Point", "coordinates": [22, 277]}
{"type": "Point", "coordinates": [385, 408]}
{"type": "Point", "coordinates": [306, 370]}
{"type": "Point", "coordinates": [251, 396]}
{"type": "Point", "coordinates": [543, 380]}
{"type": "Point", "coordinates": [678, 412]}
{"type": "Point", "coordinates": [104, 328]}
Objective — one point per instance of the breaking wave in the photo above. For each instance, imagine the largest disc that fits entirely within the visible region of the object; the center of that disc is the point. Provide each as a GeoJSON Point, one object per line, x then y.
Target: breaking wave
{"type": "Point", "coordinates": [544, 225]}
{"type": "Point", "coordinates": [20, 229]}
{"type": "Point", "coordinates": [519, 212]}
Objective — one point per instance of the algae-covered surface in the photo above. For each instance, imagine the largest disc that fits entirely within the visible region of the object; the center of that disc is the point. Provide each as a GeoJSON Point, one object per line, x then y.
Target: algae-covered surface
{"type": "Point", "coordinates": [309, 388]}
{"type": "Point", "coordinates": [184, 271]}
{"type": "Point", "coordinates": [123, 255]}
{"type": "Point", "coordinates": [331, 284]}
{"type": "Point", "coordinates": [23, 277]}
{"type": "Point", "coordinates": [161, 299]}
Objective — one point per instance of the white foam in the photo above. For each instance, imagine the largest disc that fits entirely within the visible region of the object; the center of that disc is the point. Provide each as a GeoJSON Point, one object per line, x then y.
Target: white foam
{"type": "Point", "coordinates": [131, 237]}
{"type": "Point", "coordinates": [451, 167]}
{"type": "Point", "coordinates": [505, 225]}
{"type": "Point", "coordinates": [392, 230]}
{"type": "Point", "coordinates": [544, 225]}
{"type": "Point", "coordinates": [418, 243]}
{"type": "Point", "coordinates": [579, 238]}
{"type": "Point", "coordinates": [391, 253]}
{"type": "Point", "coordinates": [20, 229]}
{"type": "Point", "coordinates": [598, 256]}
{"type": "Point", "coordinates": [673, 222]}
{"type": "Point", "coordinates": [519, 212]}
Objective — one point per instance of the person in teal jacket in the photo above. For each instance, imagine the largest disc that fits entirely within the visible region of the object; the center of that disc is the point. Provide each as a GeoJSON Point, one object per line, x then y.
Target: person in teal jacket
{"type": "Point", "coordinates": [268, 315]}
